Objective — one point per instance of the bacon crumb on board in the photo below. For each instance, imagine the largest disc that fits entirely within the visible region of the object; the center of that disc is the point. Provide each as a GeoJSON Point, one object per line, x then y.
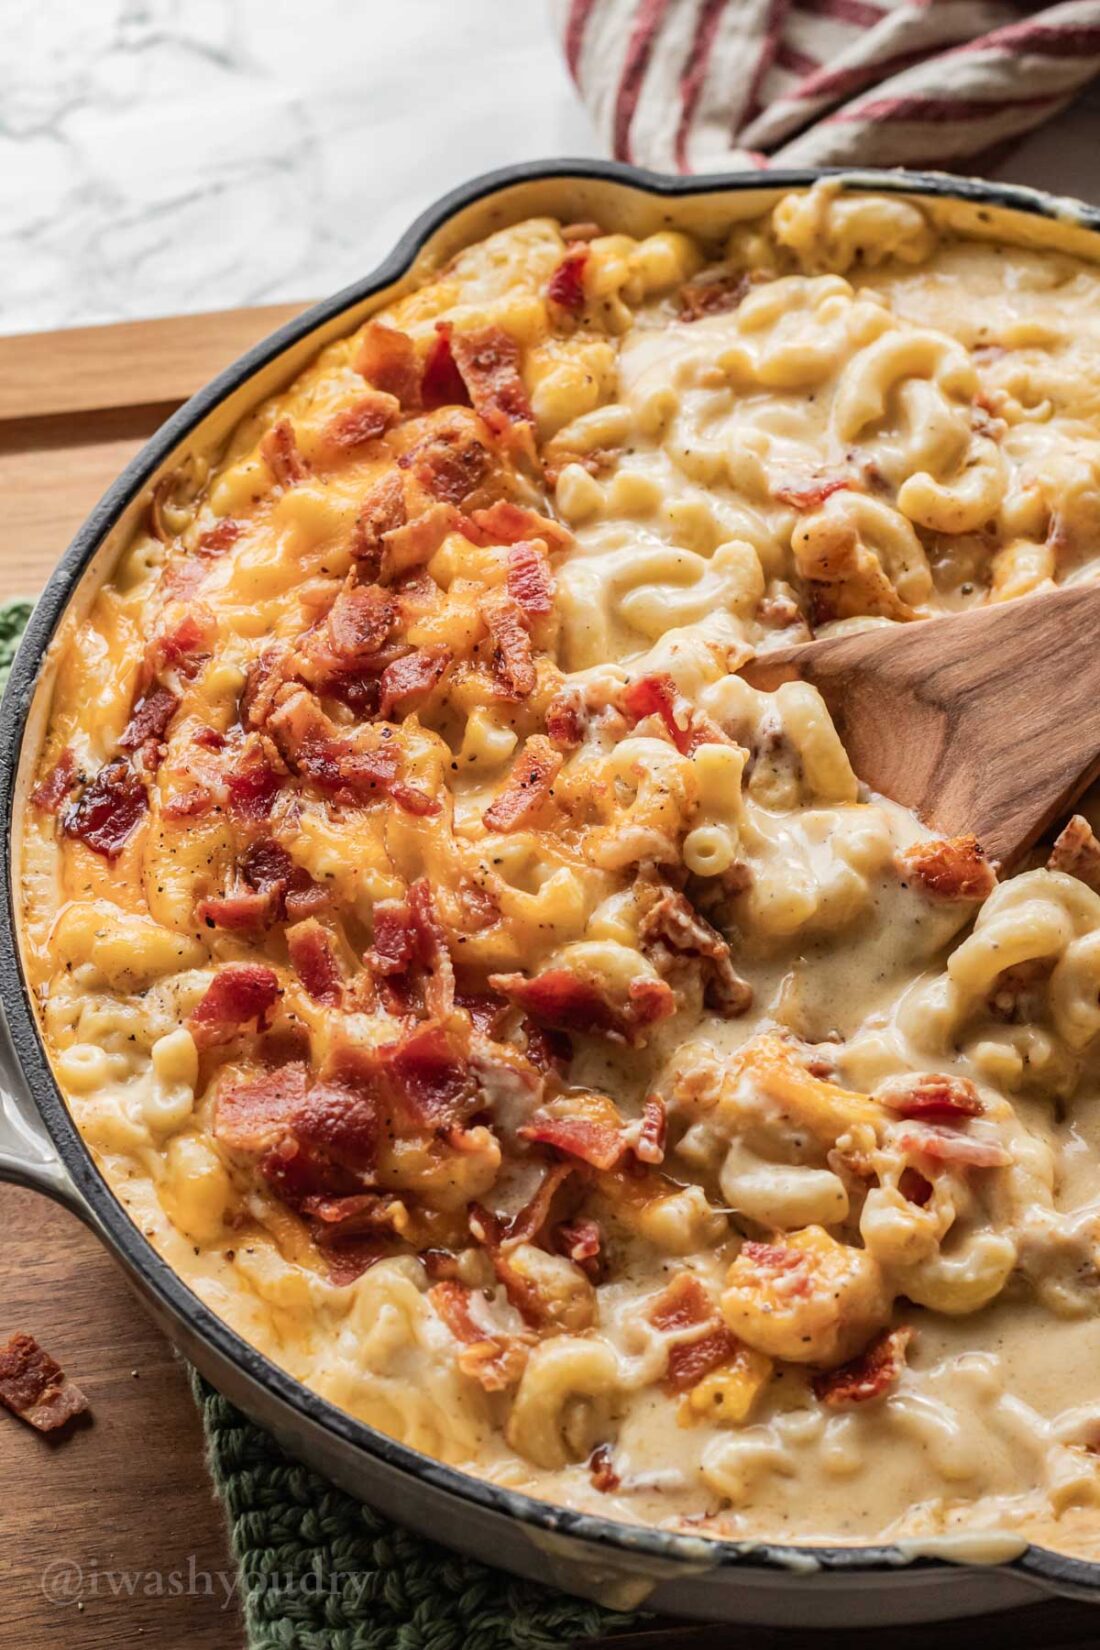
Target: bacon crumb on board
{"type": "Point", "coordinates": [1077, 853]}
{"type": "Point", "coordinates": [34, 1386]}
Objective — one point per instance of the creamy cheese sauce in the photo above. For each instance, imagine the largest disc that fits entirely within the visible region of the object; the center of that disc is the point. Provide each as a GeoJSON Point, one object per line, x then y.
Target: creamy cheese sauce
{"type": "Point", "coordinates": [837, 419]}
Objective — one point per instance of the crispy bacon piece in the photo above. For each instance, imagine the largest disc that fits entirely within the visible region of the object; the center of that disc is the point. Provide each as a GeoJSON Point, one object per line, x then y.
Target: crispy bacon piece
{"type": "Point", "coordinates": [413, 800]}
{"type": "Point", "coordinates": [673, 926]}
{"type": "Point", "coordinates": [941, 1145]}
{"type": "Point", "coordinates": [512, 662]}
{"type": "Point", "coordinates": [529, 785]}
{"type": "Point", "coordinates": [313, 958]}
{"type": "Point", "coordinates": [529, 581]}
{"type": "Point", "coordinates": [683, 1306]}
{"type": "Point", "coordinates": [597, 1139]}
{"type": "Point", "coordinates": [279, 451]}
{"type": "Point", "coordinates": [580, 1241]}
{"type": "Point", "coordinates": [495, 1361]}
{"type": "Point", "coordinates": [430, 1074]}
{"type": "Point", "coordinates": [33, 1386]}
{"type": "Point", "coordinates": [495, 1231]}
{"type": "Point", "coordinates": [508, 523]}
{"type": "Point", "coordinates": [716, 295]}
{"type": "Point", "coordinates": [239, 995]}
{"type": "Point", "coordinates": [410, 679]}
{"type": "Point", "coordinates": [245, 910]}
{"type": "Point", "coordinates": [382, 511]}
{"type": "Point", "coordinates": [449, 460]}
{"type": "Point", "coordinates": [490, 364]}
{"type": "Point", "coordinates": [386, 358]}
{"type": "Point", "coordinates": [872, 1375]}
{"type": "Point", "coordinates": [566, 720]}
{"type": "Point", "coordinates": [366, 420]}
{"type": "Point", "coordinates": [359, 624]}
{"type": "Point", "coordinates": [51, 792]}
{"type": "Point", "coordinates": [217, 540]}
{"type": "Point", "coordinates": [931, 1098]}
{"type": "Point", "coordinates": [562, 999]}
{"type": "Point", "coordinates": [566, 284]}
{"type": "Point", "coordinates": [1077, 853]}
{"type": "Point", "coordinates": [252, 785]}
{"type": "Point", "coordinates": [108, 810]}
{"type": "Point", "coordinates": [441, 384]}
{"type": "Point", "coordinates": [253, 1115]}
{"type": "Point", "coordinates": [601, 1470]}
{"type": "Point", "coordinates": [150, 717]}
{"type": "Point", "coordinates": [948, 868]}
{"type": "Point", "coordinates": [650, 1145]}
{"type": "Point", "coordinates": [183, 644]}
{"type": "Point", "coordinates": [808, 495]}
{"type": "Point", "coordinates": [657, 695]}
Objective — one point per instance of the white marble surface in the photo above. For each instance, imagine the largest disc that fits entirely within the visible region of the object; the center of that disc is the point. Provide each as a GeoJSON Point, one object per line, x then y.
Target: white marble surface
{"type": "Point", "coordinates": [167, 155]}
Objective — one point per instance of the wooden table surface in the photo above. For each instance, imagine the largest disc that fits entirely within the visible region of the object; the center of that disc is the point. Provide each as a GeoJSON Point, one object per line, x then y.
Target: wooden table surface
{"type": "Point", "coordinates": [112, 1535]}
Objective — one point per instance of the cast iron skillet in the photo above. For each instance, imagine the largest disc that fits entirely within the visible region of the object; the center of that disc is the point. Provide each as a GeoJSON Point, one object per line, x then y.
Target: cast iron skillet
{"type": "Point", "coordinates": [40, 1146]}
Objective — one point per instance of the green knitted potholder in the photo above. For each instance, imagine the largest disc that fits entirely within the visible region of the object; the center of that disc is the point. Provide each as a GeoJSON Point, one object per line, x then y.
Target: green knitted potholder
{"type": "Point", "coordinates": [318, 1570]}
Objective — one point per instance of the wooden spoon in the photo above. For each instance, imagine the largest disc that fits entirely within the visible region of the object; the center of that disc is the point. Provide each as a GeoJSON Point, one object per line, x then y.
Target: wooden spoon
{"type": "Point", "coordinates": [986, 722]}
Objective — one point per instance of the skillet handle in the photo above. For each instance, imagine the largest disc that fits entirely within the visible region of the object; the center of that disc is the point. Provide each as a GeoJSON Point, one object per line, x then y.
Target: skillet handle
{"type": "Point", "coordinates": [28, 1157]}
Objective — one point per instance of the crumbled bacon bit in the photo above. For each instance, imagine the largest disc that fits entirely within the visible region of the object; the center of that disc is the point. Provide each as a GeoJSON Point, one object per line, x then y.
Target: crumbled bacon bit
{"type": "Point", "coordinates": [673, 926]}
{"type": "Point", "coordinates": [931, 1097]}
{"type": "Point", "coordinates": [314, 960]}
{"type": "Point", "coordinates": [601, 1470]}
{"type": "Point", "coordinates": [217, 540]}
{"type": "Point", "coordinates": [244, 910]}
{"type": "Point", "coordinates": [566, 721]}
{"type": "Point", "coordinates": [150, 717]}
{"type": "Point", "coordinates": [580, 1241]}
{"type": "Point", "coordinates": [254, 1114]}
{"type": "Point", "coordinates": [512, 662]}
{"type": "Point", "coordinates": [566, 285]}
{"type": "Point", "coordinates": [657, 695]}
{"type": "Point", "coordinates": [949, 868]}
{"type": "Point", "coordinates": [364, 421]}
{"type": "Point", "coordinates": [33, 1386]}
{"type": "Point", "coordinates": [382, 511]}
{"type": "Point", "coordinates": [386, 358]}
{"type": "Point", "coordinates": [716, 295]}
{"type": "Point", "coordinates": [430, 1074]}
{"type": "Point", "coordinates": [55, 786]}
{"type": "Point", "coordinates": [1077, 853]}
{"type": "Point", "coordinates": [441, 384]}
{"type": "Point", "coordinates": [650, 1145]}
{"type": "Point", "coordinates": [449, 461]}
{"type": "Point", "coordinates": [279, 450]}
{"type": "Point", "coordinates": [239, 995]}
{"type": "Point", "coordinates": [359, 624]}
{"type": "Point", "coordinates": [495, 1361]}
{"type": "Point", "coordinates": [685, 1305]}
{"type": "Point", "coordinates": [529, 581]}
{"type": "Point", "coordinates": [490, 364]}
{"type": "Point", "coordinates": [808, 495]}
{"type": "Point", "coordinates": [508, 523]}
{"type": "Point", "coordinates": [252, 785]}
{"type": "Point", "coordinates": [184, 644]}
{"type": "Point", "coordinates": [108, 810]}
{"type": "Point", "coordinates": [413, 800]}
{"type": "Point", "coordinates": [529, 785]}
{"type": "Point", "coordinates": [410, 679]}
{"type": "Point", "coordinates": [563, 1000]}
{"type": "Point", "coordinates": [872, 1375]}
{"type": "Point", "coordinates": [597, 1142]}
{"type": "Point", "coordinates": [951, 1146]}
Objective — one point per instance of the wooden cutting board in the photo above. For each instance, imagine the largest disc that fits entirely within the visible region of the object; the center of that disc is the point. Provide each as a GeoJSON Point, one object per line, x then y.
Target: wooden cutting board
{"type": "Point", "coordinates": [112, 1536]}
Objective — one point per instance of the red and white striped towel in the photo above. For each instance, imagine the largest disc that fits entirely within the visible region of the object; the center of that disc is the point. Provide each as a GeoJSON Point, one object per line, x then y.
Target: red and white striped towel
{"type": "Point", "coordinates": [704, 85]}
